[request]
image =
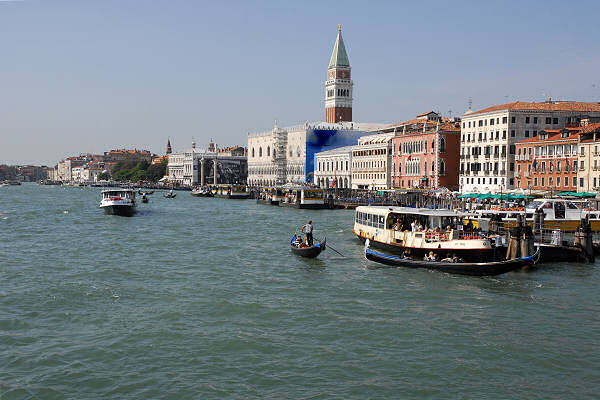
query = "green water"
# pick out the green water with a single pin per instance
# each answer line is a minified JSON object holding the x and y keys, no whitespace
{"x":199,"y":298}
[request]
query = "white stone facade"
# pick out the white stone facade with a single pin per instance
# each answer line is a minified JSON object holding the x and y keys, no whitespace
{"x":277,"y":157}
{"x":334,"y":167}
{"x":371,"y":162}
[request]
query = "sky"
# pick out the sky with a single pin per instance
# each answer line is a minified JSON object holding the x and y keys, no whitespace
{"x":82,"y":77}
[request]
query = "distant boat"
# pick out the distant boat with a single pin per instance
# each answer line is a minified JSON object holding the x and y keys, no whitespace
{"x":170,"y":195}
{"x":118,"y":202}
{"x":202,"y":192}
{"x":308,"y":251}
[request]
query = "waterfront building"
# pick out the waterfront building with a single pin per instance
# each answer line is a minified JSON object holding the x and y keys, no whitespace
{"x":64,"y":168}
{"x":203,"y":167}
{"x":489,"y":137}
{"x":425,"y":152}
{"x":333,"y":168}
{"x":548,"y":162}
{"x":338,"y":87}
{"x":371,"y":162}
{"x":588,"y":171}
{"x":287,"y":155}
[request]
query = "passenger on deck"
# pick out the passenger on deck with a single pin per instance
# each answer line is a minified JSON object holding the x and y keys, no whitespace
{"x":298,"y":241}
{"x":447,"y":259}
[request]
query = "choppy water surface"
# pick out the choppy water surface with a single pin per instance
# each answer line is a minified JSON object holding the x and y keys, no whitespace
{"x":201,"y":298}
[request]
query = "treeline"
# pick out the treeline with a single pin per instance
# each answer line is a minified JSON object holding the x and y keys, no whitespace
{"x":134,"y":171}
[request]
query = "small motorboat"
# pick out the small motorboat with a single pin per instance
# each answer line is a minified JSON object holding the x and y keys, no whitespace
{"x":461,"y":268}
{"x":202,"y":192}
{"x":307,"y":251}
{"x":170,"y":195}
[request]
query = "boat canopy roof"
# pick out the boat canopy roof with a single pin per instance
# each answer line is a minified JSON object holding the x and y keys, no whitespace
{"x":121,"y":190}
{"x":383,"y":210}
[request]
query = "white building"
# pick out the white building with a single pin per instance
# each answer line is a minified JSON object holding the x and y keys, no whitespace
{"x":488,"y":138}
{"x":287,"y":155}
{"x":202,"y":167}
{"x":371,"y":162}
{"x":333,"y":168}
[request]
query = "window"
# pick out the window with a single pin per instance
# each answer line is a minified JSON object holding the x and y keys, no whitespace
{"x":504,"y":120}
{"x":491,"y":121}
{"x":253,"y":152}
{"x":575,"y":181}
{"x":268,"y":151}
{"x":260,"y":151}
{"x":543,"y":181}
{"x":512,"y":149}
{"x":535,"y":181}
{"x":512,"y":166}
{"x":513,"y":120}
{"x":503,"y":134}
{"x":580,"y":182}
{"x":581,"y":165}
{"x":526,"y":120}
{"x":582,"y":151}
{"x":535,"y":120}
{"x":548,"y":120}
{"x":534,"y":133}
{"x":480,"y":123}
{"x":464,"y":125}
{"x":550,"y":181}
{"x":554,"y":121}
{"x":512,"y":133}
{"x":526,"y":133}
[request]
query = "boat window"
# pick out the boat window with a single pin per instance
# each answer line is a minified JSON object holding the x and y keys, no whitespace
{"x":381,"y":222}
{"x":529,"y":215}
{"x":535,"y":204}
{"x":418,"y":235}
{"x":593,"y":216}
{"x":571,"y":206}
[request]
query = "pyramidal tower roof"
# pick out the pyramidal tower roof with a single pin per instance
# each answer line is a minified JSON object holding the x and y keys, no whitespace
{"x":339,"y":57}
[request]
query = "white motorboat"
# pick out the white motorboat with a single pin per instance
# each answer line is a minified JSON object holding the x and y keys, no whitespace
{"x":118,"y":202}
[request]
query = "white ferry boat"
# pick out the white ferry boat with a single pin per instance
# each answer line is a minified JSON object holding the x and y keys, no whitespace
{"x":303,"y":197}
{"x":558,"y":214}
{"x":118,"y":202}
{"x":437,"y":231}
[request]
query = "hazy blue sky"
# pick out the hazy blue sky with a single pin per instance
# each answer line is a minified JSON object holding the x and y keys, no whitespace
{"x":85,"y":76}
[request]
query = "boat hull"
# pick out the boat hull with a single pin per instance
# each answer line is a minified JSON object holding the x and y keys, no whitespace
{"x":308,"y":252}
{"x":471,"y":255}
{"x":122,"y":210}
{"x":472,"y":269}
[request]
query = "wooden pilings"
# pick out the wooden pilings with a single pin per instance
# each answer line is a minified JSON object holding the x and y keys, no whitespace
{"x":583,"y":238}
{"x":521,"y":242}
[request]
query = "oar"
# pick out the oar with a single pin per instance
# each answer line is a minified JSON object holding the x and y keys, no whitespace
{"x":329,"y":247}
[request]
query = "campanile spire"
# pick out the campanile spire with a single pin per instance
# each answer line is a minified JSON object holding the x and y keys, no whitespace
{"x":338,"y":87}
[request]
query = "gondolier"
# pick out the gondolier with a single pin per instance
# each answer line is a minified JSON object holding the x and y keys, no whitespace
{"x":308,"y":229}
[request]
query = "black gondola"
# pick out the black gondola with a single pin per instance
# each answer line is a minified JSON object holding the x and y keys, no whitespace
{"x":308,"y":252}
{"x":170,"y":195}
{"x":475,"y":269}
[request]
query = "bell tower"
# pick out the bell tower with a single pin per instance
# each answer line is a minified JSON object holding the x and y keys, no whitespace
{"x":338,"y":87}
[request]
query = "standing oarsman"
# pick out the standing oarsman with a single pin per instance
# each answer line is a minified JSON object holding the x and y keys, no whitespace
{"x":308,"y":229}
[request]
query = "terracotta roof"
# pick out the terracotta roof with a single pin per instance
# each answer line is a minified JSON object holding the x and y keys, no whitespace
{"x":555,"y":135}
{"x":544,"y":106}
{"x":591,"y":128}
{"x":426,"y":113}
